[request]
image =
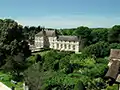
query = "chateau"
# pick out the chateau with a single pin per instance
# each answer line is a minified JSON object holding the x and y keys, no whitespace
{"x":50,"y":39}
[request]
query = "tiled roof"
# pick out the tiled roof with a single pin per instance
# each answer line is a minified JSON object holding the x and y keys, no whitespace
{"x":113,"y":70}
{"x":68,"y":38}
{"x":115,"y":53}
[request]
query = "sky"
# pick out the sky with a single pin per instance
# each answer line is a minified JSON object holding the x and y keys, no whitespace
{"x":62,"y":13}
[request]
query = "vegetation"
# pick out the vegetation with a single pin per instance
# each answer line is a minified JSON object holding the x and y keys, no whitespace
{"x":6,"y":79}
{"x":55,"y":70}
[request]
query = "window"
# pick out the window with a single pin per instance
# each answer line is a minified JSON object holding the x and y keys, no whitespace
{"x":53,"y":45}
{"x":73,"y":47}
{"x":65,"y":46}
{"x":61,"y":45}
{"x":69,"y":46}
{"x":57,"y":45}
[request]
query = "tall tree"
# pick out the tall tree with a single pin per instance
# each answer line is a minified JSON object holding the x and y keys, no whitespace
{"x":12,"y":42}
{"x":84,"y":35}
{"x":12,"y":38}
{"x":82,"y":31}
{"x":114,"y":34}
{"x":15,"y":65}
{"x":35,"y":77}
{"x":99,"y":34}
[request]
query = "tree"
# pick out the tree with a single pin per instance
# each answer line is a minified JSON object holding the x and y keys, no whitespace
{"x":114,"y":34}
{"x":15,"y":65}
{"x":12,"y":39}
{"x":35,"y":77}
{"x":29,"y":32}
{"x":13,"y":47}
{"x":84,"y":35}
{"x":82,"y":31}
{"x":100,"y":49}
{"x":67,"y":31}
{"x":38,"y":58}
{"x":99,"y":34}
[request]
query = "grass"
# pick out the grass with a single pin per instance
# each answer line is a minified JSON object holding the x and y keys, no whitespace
{"x":5,"y":78}
{"x":41,"y":53}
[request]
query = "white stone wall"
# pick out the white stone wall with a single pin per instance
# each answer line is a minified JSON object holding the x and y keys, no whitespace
{"x":52,"y":41}
{"x":67,"y":46}
{"x":39,"y":42}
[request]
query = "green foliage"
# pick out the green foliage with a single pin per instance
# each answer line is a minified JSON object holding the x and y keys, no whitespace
{"x":54,"y":57}
{"x":84,"y":35}
{"x":96,"y":71}
{"x":12,"y":38}
{"x":79,"y":86}
{"x":84,"y":32}
{"x":6,"y":78}
{"x":49,"y":59}
{"x":29,"y":32}
{"x":13,"y":47}
{"x":15,"y":65}
{"x":100,"y":49}
{"x":65,"y":82}
{"x":100,"y":34}
{"x":88,"y":62}
{"x":38,"y":58}
{"x":64,"y":63}
{"x":69,"y":68}
{"x":35,"y":77}
{"x":114,"y":46}
{"x":114,"y":87}
{"x":66,"y":31}
{"x":30,"y":60}
{"x":102,"y":60}
{"x":114,"y":34}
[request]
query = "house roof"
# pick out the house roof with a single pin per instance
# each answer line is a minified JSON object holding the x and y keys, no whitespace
{"x":113,"y":70}
{"x":118,"y":78}
{"x":115,"y":53}
{"x":52,"y":33}
{"x":49,"y":33}
{"x":68,"y":38}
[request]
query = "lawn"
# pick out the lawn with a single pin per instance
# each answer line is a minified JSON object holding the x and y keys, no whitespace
{"x":41,"y":53}
{"x":6,"y":79}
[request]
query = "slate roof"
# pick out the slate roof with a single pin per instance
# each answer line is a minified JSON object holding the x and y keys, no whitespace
{"x":49,"y":33}
{"x":52,"y":33}
{"x":68,"y":38}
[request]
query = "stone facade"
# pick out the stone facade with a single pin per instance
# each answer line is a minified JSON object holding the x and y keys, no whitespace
{"x":50,"y":39}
